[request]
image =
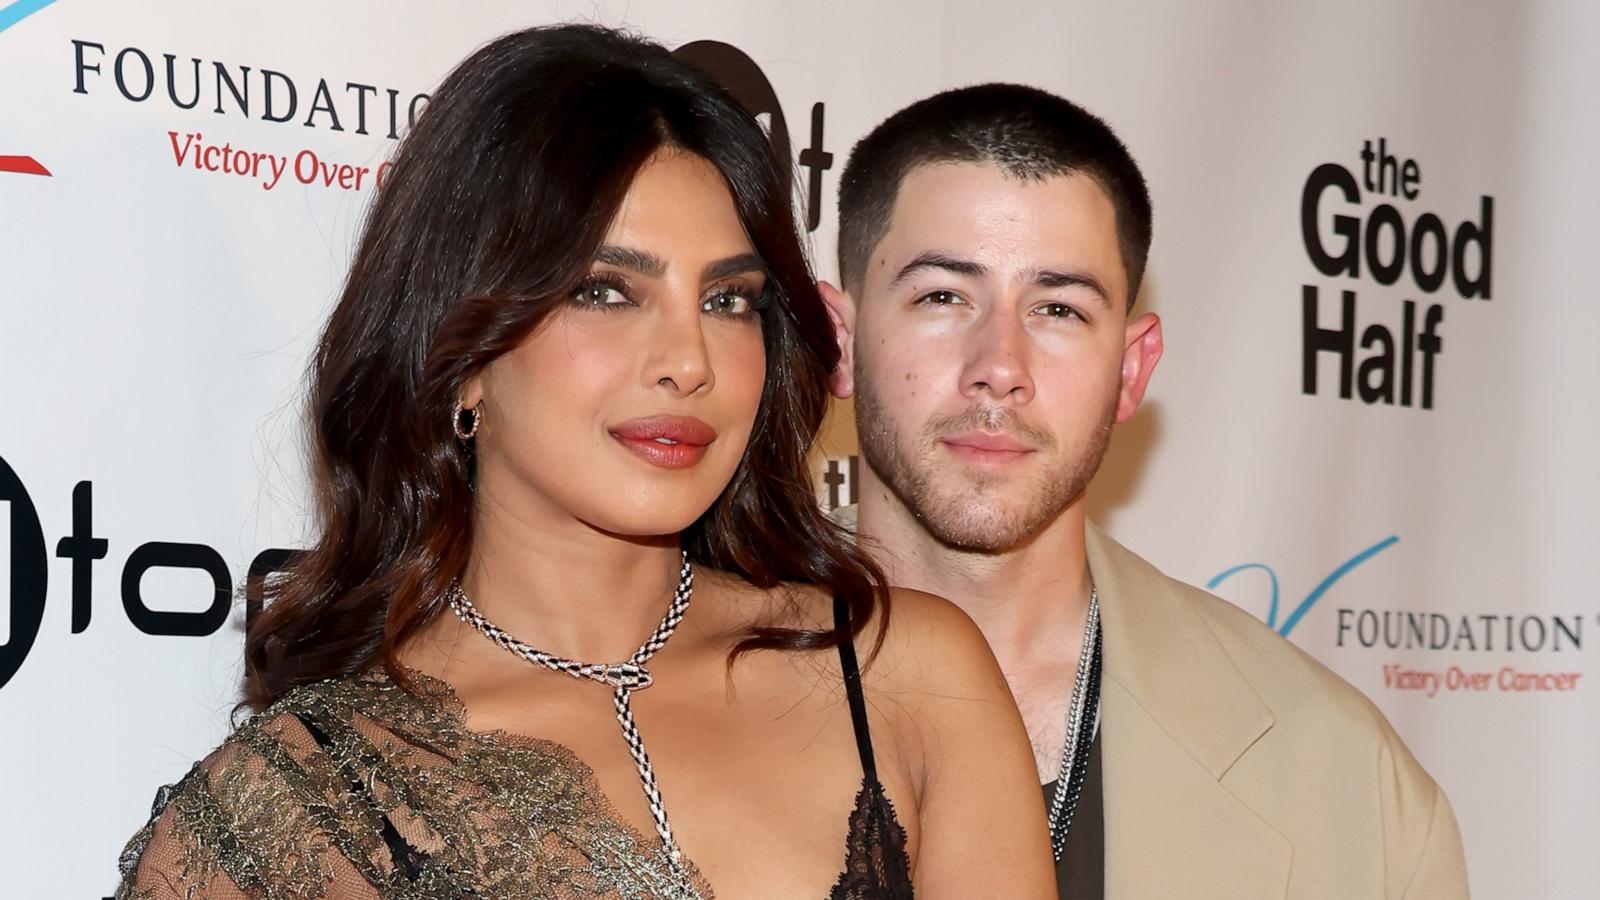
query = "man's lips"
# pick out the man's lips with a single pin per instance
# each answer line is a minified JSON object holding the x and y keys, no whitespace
{"x":980,"y":446}
{"x":671,"y":442}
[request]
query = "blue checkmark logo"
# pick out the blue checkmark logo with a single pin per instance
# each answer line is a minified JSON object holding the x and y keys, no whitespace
{"x":16,"y":12}
{"x":1317,"y":592}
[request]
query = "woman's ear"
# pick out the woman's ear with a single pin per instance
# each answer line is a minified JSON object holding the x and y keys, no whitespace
{"x":471,"y":391}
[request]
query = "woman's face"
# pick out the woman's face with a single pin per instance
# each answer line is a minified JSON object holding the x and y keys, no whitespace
{"x":630,"y":406}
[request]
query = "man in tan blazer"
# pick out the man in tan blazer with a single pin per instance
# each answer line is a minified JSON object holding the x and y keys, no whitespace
{"x":992,"y":240}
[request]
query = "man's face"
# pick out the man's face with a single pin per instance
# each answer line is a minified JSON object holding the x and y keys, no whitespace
{"x":990,"y":337}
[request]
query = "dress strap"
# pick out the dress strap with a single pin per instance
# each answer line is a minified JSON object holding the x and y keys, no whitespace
{"x":852,"y":689}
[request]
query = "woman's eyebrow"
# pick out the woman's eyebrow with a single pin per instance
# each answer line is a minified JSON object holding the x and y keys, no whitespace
{"x":640,"y":261}
{"x":652,"y":266}
{"x":742,"y":264}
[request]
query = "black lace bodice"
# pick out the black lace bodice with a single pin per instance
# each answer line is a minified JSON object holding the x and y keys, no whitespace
{"x":876,"y":865}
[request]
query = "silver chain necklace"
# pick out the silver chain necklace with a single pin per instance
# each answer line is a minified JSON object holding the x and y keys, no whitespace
{"x":1080,"y":731}
{"x":624,"y":678}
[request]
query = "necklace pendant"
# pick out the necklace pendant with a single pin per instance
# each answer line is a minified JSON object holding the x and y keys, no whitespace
{"x":627,"y":676}
{"x":624,"y":678}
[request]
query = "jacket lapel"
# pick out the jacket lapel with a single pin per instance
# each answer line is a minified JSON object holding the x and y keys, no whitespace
{"x":1175,"y":716}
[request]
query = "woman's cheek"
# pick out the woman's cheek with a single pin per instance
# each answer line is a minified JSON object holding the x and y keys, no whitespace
{"x":578,"y":356}
{"x":749,"y":375}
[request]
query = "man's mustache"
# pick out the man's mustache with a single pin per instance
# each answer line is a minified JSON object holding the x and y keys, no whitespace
{"x":995,"y":420}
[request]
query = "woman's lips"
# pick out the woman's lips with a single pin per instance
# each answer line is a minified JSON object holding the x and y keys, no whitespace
{"x":982,"y":447}
{"x":671,"y":442}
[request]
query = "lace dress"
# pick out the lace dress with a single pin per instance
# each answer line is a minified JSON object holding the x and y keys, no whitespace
{"x":357,"y":788}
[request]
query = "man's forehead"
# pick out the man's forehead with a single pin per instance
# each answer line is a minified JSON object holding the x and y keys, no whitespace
{"x":982,"y":211}
{"x":980,"y":187}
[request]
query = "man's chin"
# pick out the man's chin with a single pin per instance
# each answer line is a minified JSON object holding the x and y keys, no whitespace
{"x":982,"y":529}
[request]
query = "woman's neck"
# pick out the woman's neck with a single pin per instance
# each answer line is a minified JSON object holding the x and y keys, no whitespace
{"x":567,"y":587}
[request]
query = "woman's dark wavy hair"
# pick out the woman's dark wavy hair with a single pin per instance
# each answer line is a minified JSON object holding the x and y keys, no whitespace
{"x":488,"y":220}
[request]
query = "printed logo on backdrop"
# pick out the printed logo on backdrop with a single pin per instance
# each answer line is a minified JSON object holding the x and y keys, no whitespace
{"x":10,"y":15}
{"x":25,"y":568}
{"x":194,"y":86}
{"x":1465,"y":645}
{"x":23,"y":165}
{"x":1381,"y":339}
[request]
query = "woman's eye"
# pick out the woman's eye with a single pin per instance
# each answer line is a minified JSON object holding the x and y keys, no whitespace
{"x":941,"y":298}
{"x":600,"y":294}
{"x":727,"y":303}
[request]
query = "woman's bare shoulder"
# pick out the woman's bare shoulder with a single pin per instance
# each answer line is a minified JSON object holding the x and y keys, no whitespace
{"x":916,"y":634}
{"x":929,"y":644}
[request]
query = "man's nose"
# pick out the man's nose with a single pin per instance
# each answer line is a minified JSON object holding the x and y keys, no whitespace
{"x":997,"y":360}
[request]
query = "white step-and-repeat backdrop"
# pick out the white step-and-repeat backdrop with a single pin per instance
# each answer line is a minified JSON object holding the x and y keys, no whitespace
{"x":1375,"y":427}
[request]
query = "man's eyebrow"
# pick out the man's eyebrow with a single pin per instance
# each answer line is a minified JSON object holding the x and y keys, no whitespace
{"x":743,"y":264}
{"x":934,"y":259}
{"x":647,"y":264}
{"x":1056,"y":278}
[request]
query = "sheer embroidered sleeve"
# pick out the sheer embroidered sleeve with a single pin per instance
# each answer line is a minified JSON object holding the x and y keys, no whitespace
{"x":359,"y":790}
{"x":258,"y":818}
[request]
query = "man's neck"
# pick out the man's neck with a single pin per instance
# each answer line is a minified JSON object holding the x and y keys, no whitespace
{"x":1031,"y":602}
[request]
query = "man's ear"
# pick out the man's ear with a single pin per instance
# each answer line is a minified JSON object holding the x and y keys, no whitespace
{"x":1141,"y":350}
{"x":842,"y":310}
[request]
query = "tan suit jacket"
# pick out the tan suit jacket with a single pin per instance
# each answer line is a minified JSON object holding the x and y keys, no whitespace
{"x":1238,"y":767}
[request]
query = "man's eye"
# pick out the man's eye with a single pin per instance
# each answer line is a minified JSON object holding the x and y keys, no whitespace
{"x":1059,"y":311}
{"x":941,"y":298}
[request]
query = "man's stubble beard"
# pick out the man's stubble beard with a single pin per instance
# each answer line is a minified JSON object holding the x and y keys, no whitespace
{"x":963,"y":516}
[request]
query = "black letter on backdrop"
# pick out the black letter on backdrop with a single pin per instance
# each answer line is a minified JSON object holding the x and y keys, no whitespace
{"x":83,"y":548}
{"x":748,"y":84}
{"x":817,"y":160}
{"x":77,"y":50}
{"x":1348,"y":262}
{"x":1341,"y":342}
{"x":255,"y":582}
{"x":156,"y":555}
{"x":29,"y":572}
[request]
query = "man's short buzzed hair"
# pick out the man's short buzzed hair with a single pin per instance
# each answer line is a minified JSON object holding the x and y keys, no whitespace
{"x":1026,"y":132}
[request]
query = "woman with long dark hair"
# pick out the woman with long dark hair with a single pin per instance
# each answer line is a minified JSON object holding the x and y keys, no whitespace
{"x":572,"y":624}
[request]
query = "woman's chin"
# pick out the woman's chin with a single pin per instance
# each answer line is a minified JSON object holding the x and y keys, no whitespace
{"x":647,"y":525}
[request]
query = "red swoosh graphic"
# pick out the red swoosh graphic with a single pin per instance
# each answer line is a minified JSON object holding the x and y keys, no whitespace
{"x":26,"y":165}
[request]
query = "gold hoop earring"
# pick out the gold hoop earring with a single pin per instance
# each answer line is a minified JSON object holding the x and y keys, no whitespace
{"x":467,"y":433}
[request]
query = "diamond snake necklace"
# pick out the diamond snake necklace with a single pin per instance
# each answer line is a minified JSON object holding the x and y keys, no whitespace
{"x":1081,"y":722}
{"x":624,"y":678}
